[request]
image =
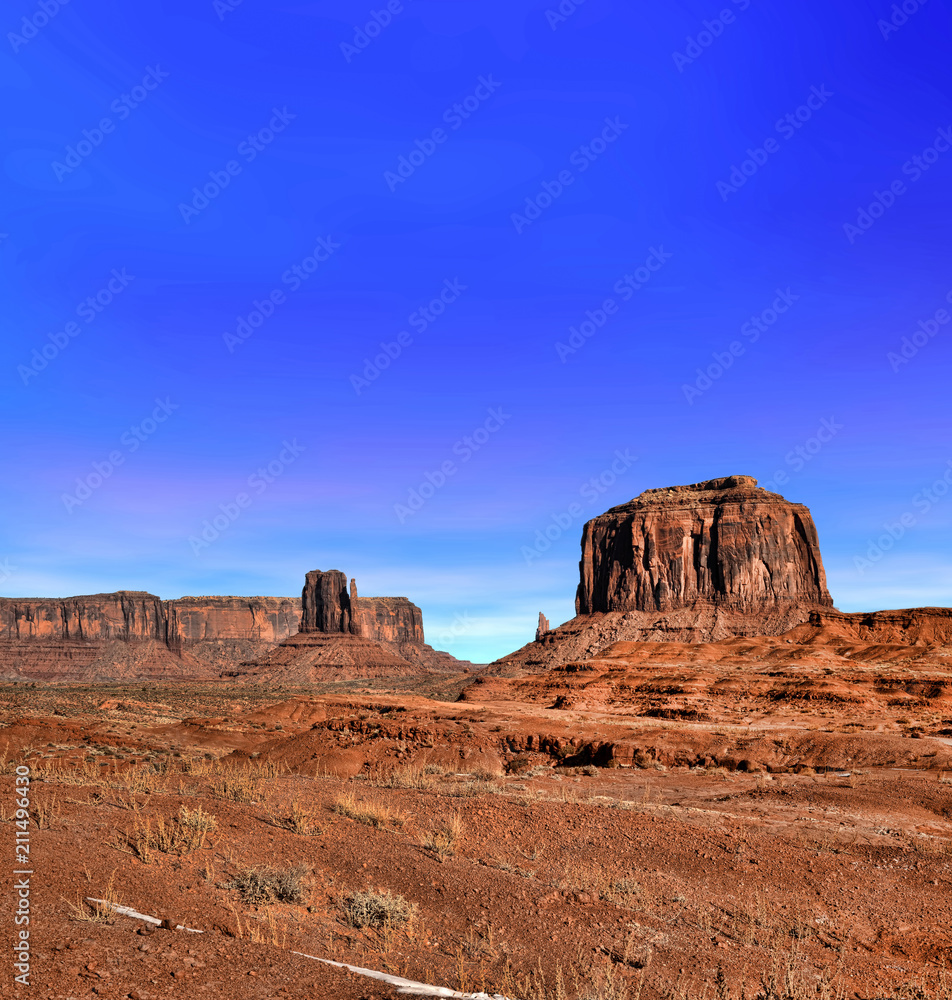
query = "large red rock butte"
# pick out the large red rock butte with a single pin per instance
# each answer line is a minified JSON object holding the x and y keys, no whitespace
{"x":695,"y":563}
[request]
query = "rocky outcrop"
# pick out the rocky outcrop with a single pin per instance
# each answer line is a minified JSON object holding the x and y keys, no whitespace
{"x":267,"y":620}
{"x":696,"y":563}
{"x":542,"y":627}
{"x":908,"y":627}
{"x":127,"y":614}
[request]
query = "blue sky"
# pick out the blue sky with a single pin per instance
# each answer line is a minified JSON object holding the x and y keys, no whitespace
{"x":413,"y":290}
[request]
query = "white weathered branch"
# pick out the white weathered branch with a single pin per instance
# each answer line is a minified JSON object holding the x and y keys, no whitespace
{"x":406,"y":985}
{"x":127,"y":911}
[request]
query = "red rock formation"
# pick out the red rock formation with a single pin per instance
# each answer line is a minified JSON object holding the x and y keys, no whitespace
{"x":133,"y":634}
{"x":694,"y":563}
{"x":325,"y":603}
{"x":910,"y":626}
{"x":724,"y":541}
{"x":127,"y":614}
{"x":355,"y":626}
{"x":391,"y":619}
{"x":258,"y":619}
{"x":542,"y":627}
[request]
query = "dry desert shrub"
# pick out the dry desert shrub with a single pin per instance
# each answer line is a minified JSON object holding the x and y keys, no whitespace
{"x":64,"y":773}
{"x":236,"y":787}
{"x":375,"y":814}
{"x":377,"y":909}
{"x":264,"y":884}
{"x":442,"y":840}
{"x":420,"y":778}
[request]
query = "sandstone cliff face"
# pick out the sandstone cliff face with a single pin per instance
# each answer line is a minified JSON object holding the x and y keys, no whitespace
{"x":390,"y":619}
{"x":723,"y":541}
{"x":696,"y":563}
{"x":128,"y":614}
{"x":137,"y":615}
{"x":257,"y":619}
{"x":133,"y":634}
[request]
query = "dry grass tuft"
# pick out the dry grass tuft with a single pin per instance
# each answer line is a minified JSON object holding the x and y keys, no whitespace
{"x":299,"y":819}
{"x":45,"y":810}
{"x":442,"y":840}
{"x":96,"y":913}
{"x":376,"y":814}
{"x":182,"y":834}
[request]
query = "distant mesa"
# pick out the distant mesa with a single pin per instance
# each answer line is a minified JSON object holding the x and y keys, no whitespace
{"x":133,"y":634}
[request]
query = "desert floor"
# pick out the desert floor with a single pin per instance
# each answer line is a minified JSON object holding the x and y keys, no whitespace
{"x":793,"y":848}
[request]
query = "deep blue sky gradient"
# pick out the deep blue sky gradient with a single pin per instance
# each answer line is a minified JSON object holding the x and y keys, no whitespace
{"x":470,"y":554}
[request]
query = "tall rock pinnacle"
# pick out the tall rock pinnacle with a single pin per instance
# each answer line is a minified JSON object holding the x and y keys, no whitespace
{"x":325,"y":604}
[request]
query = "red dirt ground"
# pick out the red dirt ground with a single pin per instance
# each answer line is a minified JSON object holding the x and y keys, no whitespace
{"x":629,"y":826}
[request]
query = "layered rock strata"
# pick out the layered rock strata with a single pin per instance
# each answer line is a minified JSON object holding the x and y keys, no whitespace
{"x":695,"y":563}
{"x":131,"y":634}
{"x":345,"y":635}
